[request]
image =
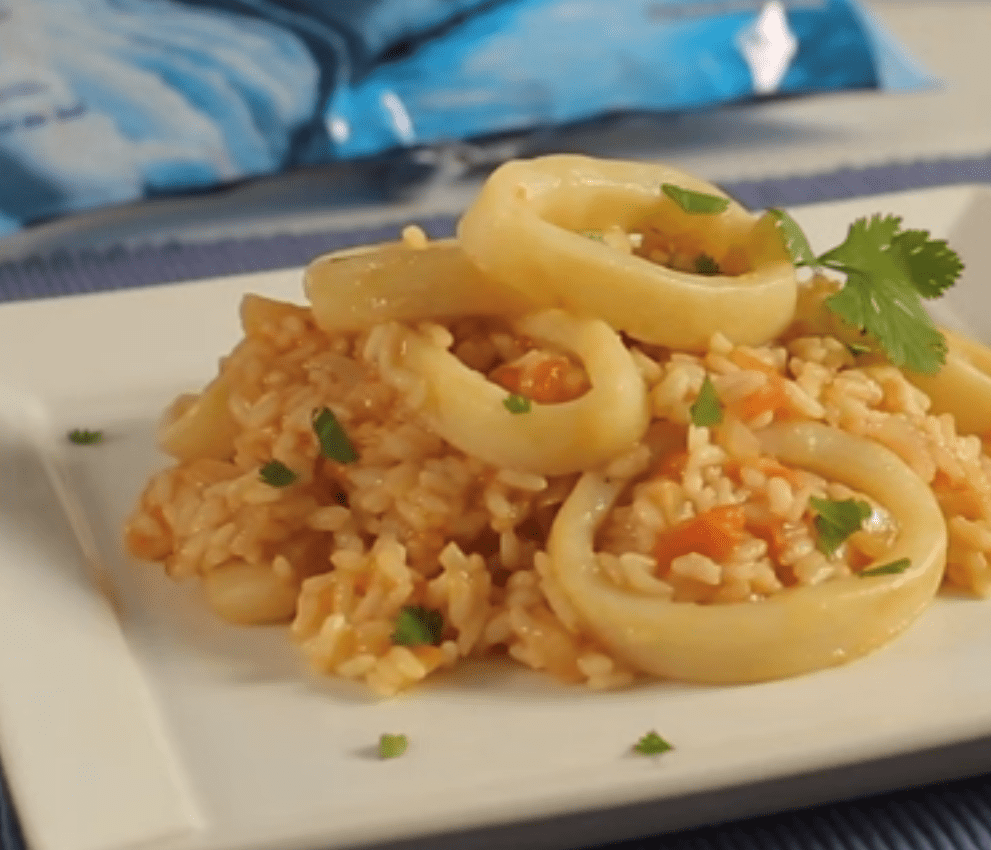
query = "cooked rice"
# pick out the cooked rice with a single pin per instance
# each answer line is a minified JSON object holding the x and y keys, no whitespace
{"x":415,"y":521}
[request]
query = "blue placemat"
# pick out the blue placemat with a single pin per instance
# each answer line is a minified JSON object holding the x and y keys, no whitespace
{"x":947,"y":816}
{"x":72,"y":272}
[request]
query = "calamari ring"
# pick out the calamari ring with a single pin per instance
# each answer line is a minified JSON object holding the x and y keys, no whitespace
{"x":794,"y":631}
{"x":468,"y":410}
{"x":962,"y":386}
{"x":356,"y":288}
{"x":525,"y":231}
{"x":199,"y":425}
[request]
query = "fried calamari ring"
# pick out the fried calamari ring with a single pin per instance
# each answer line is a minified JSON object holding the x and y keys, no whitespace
{"x":797,"y":630}
{"x":469,"y":411}
{"x":356,"y":288}
{"x":199,"y":425}
{"x":962,"y":386}
{"x":526,"y":228}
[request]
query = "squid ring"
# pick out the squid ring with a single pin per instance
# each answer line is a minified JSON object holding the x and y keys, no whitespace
{"x":797,"y":630}
{"x":525,"y":231}
{"x":356,"y":288}
{"x":958,"y":387}
{"x":199,"y":425}
{"x":469,"y":411}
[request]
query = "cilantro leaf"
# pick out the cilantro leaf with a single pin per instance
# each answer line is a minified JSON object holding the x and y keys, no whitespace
{"x":866,"y":239}
{"x":392,"y":746}
{"x":334,"y":441}
{"x":893,"y":568}
{"x":85,"y":437}
{"x":651,"y":744}
{"x":706,"y":409}
{"x":706,"y":265}
{"x":795,"y":240}
{"x":837,"y":520}
{"x":931,"y":264}
{"x":695,"y":202}
{"x":417,"y":625}
{"x":597,"y":235}
{"x":517,"y":403}
{"x":276,"y":474}
{"x":888,"y":272}
{"x":883,"y":305}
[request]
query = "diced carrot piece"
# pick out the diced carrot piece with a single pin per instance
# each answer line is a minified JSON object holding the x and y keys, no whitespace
{"x":510,"y":376}
{"x":771,"y":530}
{"x":672,"y":465}
{"x":550,"y":380}
{"x":771,"y":396}
{"x":714,"y":533}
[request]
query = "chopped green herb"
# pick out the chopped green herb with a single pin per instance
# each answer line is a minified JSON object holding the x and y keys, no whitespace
{"x":893,"y":568}
{"x":651,"y":744}
{"x":795,"y":242}
{"x":597,"y":235}
{"x":417,"y":625}
{"x":837,"y":520}
{"x":276,"y":474}
{"x":888,"y":273}
{"x":706,"y":409}
{"x":84,"y":437}
{"x":334,"y":442}
{"x":517,"y":403}
{"x":858,"y":348}
{"x":392,"y":746}
{"x":704,"y":264}
{"x":695,"y":202}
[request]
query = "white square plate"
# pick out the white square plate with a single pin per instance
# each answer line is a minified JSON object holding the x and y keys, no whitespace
{"x":129,"y":716}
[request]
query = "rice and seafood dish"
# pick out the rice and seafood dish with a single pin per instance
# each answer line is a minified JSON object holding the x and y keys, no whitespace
{"x":619,"y":427}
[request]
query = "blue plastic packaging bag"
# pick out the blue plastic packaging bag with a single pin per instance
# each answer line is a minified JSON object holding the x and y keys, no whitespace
{"x":105,"y":102}
{"x":548,"y":62}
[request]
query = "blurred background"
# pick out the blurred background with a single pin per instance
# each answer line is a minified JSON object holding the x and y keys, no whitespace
{"x":129,"y":124}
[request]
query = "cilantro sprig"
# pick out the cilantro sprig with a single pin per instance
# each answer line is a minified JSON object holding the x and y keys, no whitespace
{"x":392,"y":746}
{"x":334,"y":441}
{"x":651,"y":744}
{"x":836,"y":520}
{"x":517,"y":403}
{"x":889,"y":569}
{"x":889,"y":271}
{"x":698,"y":203}
{"x":85,"y":437}
{"x":276,"y":474}
{"x":706,"y":409}
{"x":705,"y":264}
{"x":416,"y":626}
